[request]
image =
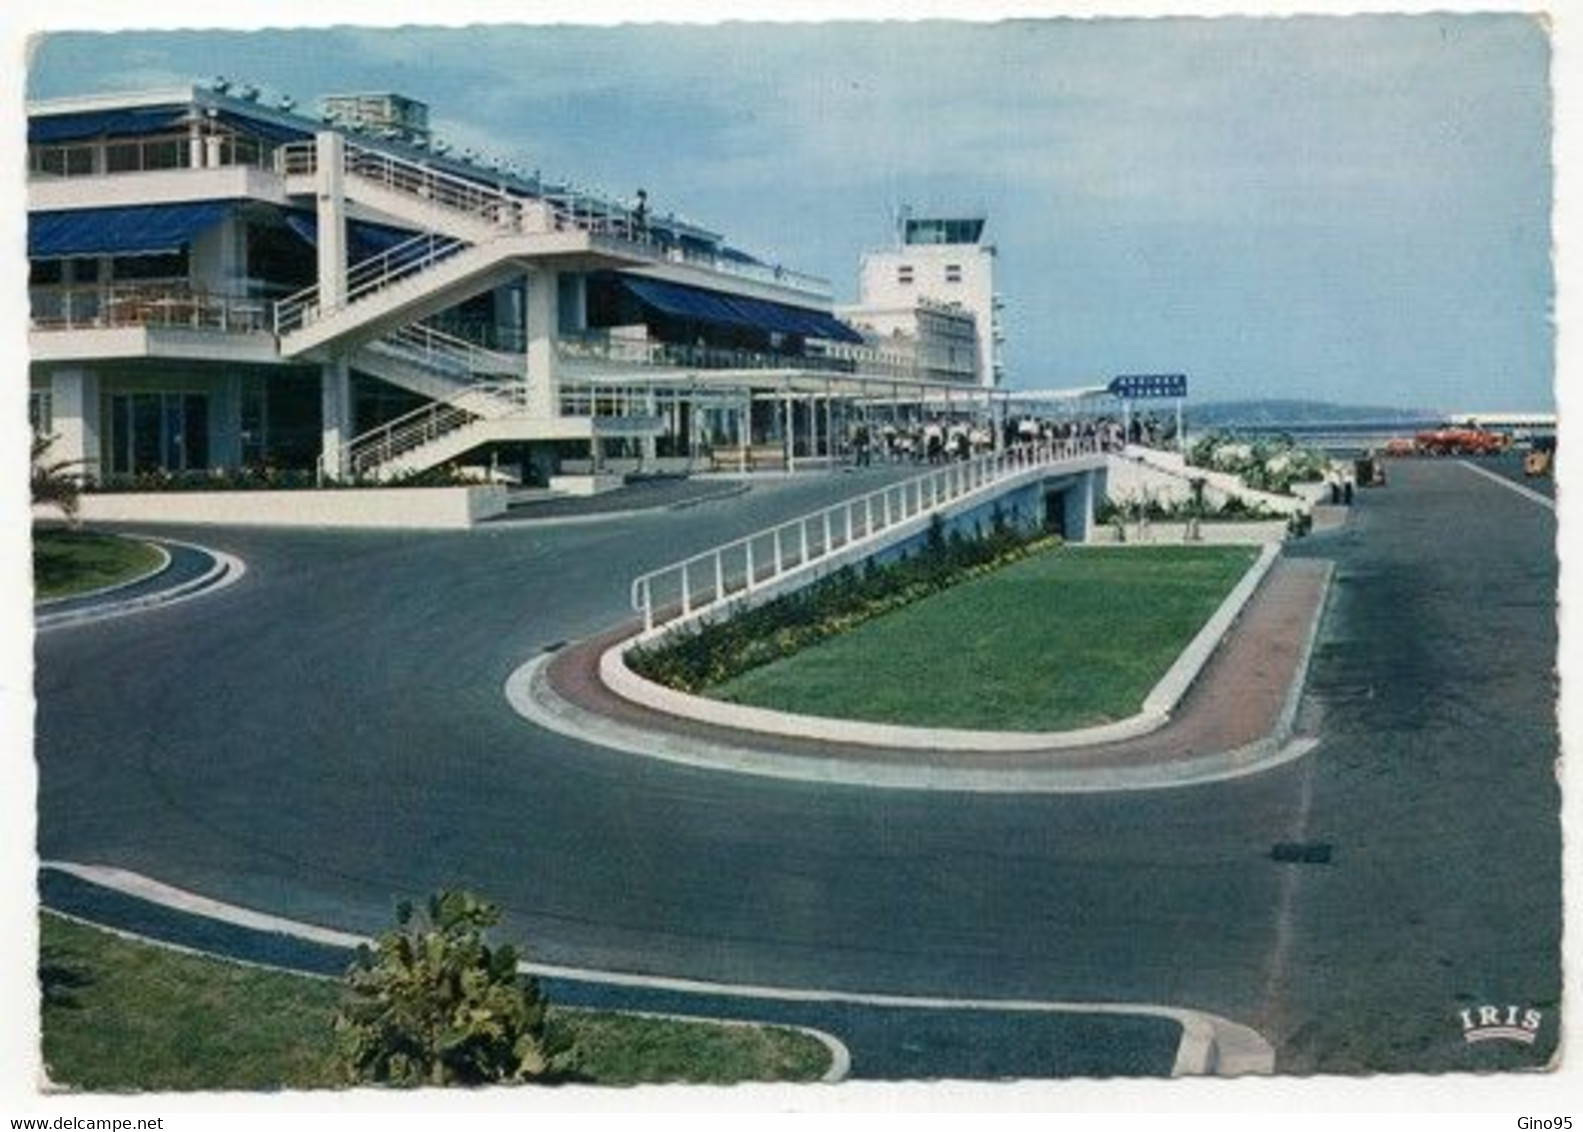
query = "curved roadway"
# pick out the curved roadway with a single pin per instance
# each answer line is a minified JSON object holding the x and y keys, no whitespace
{"x":331,"y":735}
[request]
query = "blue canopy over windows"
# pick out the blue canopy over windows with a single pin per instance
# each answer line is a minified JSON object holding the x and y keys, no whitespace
{"x":702,"y":305}
{"x":54,"y":128}
{"x":272,"y":132}
{"x":366,"y":239}
{"x":140,"y":229}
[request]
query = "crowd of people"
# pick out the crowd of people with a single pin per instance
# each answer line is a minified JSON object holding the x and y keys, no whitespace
{"x":939,"y":440}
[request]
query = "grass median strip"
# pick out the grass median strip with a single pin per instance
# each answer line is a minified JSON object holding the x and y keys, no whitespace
{"x":72,"y":562}
{"x":122,"y":1015}
{"x":1071,"y":637}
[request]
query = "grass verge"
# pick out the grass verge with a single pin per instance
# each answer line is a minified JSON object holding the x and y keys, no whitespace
{"x":1072,"y":637}
{"x":72,"y":562}
{"x":120,"y":1016}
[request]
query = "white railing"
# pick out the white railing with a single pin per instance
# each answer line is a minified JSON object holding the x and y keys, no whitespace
{"x":618,"y":350}
{"x":112,"y":305}
{"x":447,"y":355}
{"x":410,"y":178}
{"x":367,"y":277}
{"x":604,"y":399}
{"x":684,"y":591}
{"x":564,"y":210}
{"x":379,"y":446}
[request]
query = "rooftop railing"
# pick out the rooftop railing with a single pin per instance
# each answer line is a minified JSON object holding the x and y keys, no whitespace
{"x":143,"y":155}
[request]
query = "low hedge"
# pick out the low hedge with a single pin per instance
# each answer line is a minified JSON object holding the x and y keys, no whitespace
{"x":717,"y":651}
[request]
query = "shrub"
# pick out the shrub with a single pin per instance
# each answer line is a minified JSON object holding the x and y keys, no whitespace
{"x":55,"y":482}
{"x":434,"y":1004}
{"x":717,"y":651}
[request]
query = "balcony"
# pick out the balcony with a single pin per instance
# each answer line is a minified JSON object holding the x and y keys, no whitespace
{"x":145,"y":155}
{"x":626,"y":353}
{"x":143,"y":305}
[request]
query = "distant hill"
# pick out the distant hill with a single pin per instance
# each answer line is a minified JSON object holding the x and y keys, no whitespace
{"x":1220,"y":414}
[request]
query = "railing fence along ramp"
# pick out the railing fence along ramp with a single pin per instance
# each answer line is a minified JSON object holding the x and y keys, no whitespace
{"x":686,"y":591}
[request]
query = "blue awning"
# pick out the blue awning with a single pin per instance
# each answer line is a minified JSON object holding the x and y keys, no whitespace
{"x":47,"y":129}
{"x":702,"y":305}
{"x":141,"y":229}
{"x":367,"y":238}
{"x":273,"y":132}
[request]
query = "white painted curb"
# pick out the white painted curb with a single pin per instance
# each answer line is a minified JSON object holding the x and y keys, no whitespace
{"x":1210,"y":1044}
{"x":44,"y":604}
{"x":531,"y":696}
{"x":225,"y":571}
{"x":1156,"y":711}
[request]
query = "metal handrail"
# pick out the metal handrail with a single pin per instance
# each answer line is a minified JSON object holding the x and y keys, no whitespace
{"x":113,"y":305}
{"x":369,"y":276}
{"x":866,"y":361}
{"x":509,"y":211}
{"x":423,"y":425}
{"x":695,"y":585}
{"x":446,"y":353}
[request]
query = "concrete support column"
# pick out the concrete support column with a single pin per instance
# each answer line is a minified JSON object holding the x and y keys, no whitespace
{"x":790,"y":434}
{"x":572,"y":293}
{"x":506,"y":312}
{"x":540,"y":331}
{"x":1078,"y":519}
{"x":74,"y":405}
{"x":648,"y":445}
{"x":335,"y":410}
{"x":331,"y":196}
{"x":225,"y":423}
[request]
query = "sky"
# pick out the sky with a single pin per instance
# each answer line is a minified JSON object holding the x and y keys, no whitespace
{"x":1354,"y":209}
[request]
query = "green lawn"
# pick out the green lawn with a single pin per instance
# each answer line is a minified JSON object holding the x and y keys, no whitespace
{"x":119,"y":1015}
{"x":1072,"y":637}
{"x":72,"y":562}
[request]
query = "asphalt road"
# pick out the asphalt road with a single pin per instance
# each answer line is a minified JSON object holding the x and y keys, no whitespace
{"x":330,"y":735}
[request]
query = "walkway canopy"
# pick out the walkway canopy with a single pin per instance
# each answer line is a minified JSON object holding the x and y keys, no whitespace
{"x":139,"y":229}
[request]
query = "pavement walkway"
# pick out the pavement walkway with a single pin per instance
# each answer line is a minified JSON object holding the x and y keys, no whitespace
{"x":651,"y":494}
{"x":1237,"y":717}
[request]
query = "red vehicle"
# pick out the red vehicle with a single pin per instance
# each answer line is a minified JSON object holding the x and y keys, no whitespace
{"x":1461,"y":442}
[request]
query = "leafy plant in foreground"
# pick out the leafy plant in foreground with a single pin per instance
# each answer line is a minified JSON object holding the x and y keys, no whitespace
{"x":432,"y":1003}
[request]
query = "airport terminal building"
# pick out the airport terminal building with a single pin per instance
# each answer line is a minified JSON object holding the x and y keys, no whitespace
{"x":223,"y":286}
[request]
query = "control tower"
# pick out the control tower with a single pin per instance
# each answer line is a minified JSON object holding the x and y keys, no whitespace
{"x":943,"y":259}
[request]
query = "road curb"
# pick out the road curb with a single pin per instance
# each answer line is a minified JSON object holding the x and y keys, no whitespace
{"x":1157,"y":708}
{"x":224,"y":570}
{"x":45,"y":604}
{"x":1210,"y":1045}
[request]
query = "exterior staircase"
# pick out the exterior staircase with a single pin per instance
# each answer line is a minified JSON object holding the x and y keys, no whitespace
{"x":473,"y":238}
{"x":436,"y":365}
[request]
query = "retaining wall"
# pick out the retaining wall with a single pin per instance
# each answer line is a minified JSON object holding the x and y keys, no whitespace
{"x":447,"y":508}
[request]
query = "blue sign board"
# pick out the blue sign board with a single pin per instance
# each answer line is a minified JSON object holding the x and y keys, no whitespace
{"x":1137,"y":386}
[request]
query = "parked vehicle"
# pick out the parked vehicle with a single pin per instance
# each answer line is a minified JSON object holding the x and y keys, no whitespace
{"x":1461,"y":442}
{"x":1540,"y":458}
